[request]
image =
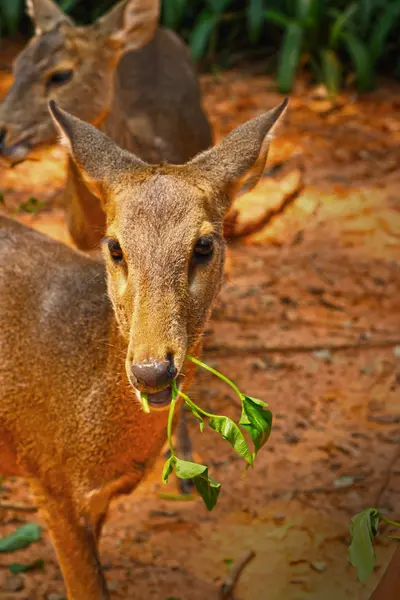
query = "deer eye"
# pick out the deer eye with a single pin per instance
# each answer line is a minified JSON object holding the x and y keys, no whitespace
{"x":60,"y":77}
{"x":115,"y":251}
{"x":203,"y":249}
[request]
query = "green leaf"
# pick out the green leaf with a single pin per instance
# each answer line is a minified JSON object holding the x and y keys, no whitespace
{"x":363,"y":529}
{"x":196,"y":413}
{"x":207,"y":487}
{"x":173,"y":12}
{"x":303,"y":9}
{"x":255,"y":19}
{"x":218,"y":6}
{"x":340,"y":23}
{"x":256,"y":419}
{"x":331,"y":71}
{"x":382,"y":29}
{"x":185,"y":469}
{"x":12,"y":11}
{"x":361,"y":61}
{"x":22,"y":537}
{"x":289,"y":57}
{"x":32,"y":205}
{"x":22,"y":568}
{"x":168,"y":468}
{"x":231,"y":432}
{"x":205,"y":25}
{"x":278,"y":18}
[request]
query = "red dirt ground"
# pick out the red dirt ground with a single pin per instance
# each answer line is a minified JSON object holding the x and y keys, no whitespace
{"x":308,"y":320}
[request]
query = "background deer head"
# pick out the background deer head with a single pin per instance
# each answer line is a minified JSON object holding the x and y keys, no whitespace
{"x":73,"y":65}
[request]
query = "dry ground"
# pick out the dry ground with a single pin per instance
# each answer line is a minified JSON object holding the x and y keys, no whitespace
{"x":308,"y":320}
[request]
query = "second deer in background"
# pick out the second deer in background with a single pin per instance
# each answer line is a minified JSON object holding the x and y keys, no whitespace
{"x":124,"y":74}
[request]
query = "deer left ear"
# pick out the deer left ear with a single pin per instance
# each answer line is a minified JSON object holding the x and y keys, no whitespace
{"x":236,"y":164}
{"x":100,"y":161}
{"x":131,"y":23}
{"x":46,"y":15}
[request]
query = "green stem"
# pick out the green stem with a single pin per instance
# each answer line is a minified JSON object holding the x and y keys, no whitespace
{"x":190,"y":403}
{"x":145,"y":403}
{"x":217,"y":373}
{"x":175,"y":392}
{"x":389,"y":522}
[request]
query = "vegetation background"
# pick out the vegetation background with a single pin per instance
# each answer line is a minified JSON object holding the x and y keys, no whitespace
{"x":341,"y":43}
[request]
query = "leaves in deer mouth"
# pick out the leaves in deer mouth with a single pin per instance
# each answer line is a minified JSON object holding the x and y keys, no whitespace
{"x":231,"y":432}
{"x":207,"y":487}
{"x":256,"y":419}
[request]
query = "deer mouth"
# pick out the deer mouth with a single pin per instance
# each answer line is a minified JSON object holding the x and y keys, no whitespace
{"x":17,"y":152}
{"x":160,"y":399}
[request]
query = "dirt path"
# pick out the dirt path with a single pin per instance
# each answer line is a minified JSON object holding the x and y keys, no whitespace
{"x":308,"y":320}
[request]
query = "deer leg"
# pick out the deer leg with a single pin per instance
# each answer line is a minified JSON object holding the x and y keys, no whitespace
{"x":75,"y":544}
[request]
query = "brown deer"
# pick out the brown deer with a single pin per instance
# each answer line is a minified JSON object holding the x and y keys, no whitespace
{"x":74,"y":359}
{"x":130,"y":78}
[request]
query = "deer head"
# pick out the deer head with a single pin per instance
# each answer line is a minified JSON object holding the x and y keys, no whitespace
{"x":164,"y":245}
{"x":73,"y":65}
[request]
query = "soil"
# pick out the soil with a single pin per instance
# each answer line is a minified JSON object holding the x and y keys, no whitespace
{"x":309,"y":321}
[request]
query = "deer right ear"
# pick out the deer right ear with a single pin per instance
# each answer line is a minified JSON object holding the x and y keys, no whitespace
{"x":46,"y":15}
{"x":131,"y":23}
{"x":237,"y":163}
{"x":100,"y":161}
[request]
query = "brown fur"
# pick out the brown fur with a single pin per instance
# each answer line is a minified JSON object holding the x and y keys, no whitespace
{"x":69,"y":419}
{"x":134,"y":81}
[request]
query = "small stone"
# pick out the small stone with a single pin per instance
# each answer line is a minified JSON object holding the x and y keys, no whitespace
{"x":396,"y":351}
{"x":279,"y":518}
{"x":291,"y":438}
{"x":319,"y":566}
{"x":323,"y":354}
{"x":55,"y":596}
{"x":259,"y":365}
{"x":366,"y":371}
{"x":14,"y":583}
{"x":113,"y":585}
{"x":344,"y":481}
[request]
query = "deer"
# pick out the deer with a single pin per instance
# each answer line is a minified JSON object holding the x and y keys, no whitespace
{"x":132,"y":79}
{"x":82,"y":338}
{"x":129,"y":77}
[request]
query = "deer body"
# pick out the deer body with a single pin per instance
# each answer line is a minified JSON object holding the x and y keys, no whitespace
{"x":73,"y":405}
{"x":77,"y":352}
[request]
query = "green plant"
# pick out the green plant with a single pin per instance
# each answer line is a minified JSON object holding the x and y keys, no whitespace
{"x":363,"y":529}
{"x":323,"y":34}
{"x":255,"y":419}
{"x":20,"y":538}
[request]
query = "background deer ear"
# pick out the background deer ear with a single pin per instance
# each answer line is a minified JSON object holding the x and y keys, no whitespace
{"x":131,"y":23}
{"x":46,"y":15}
{"x":100,"y":161}
{"x":236,"y":164}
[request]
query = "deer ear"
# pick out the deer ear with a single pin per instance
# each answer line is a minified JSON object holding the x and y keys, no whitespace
{"x":236,"y":164}
{"x":46,"y":15}
{"x":131,"y":23}
{"x":101,"y":162}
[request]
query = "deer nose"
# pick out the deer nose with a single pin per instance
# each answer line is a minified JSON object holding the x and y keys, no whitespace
{"x":154,"y":374}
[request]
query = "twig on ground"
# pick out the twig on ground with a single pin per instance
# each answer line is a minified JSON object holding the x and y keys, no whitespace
{"x":224,"y":349}
{"x":19,"y":507}
{"x":230,"y":581}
